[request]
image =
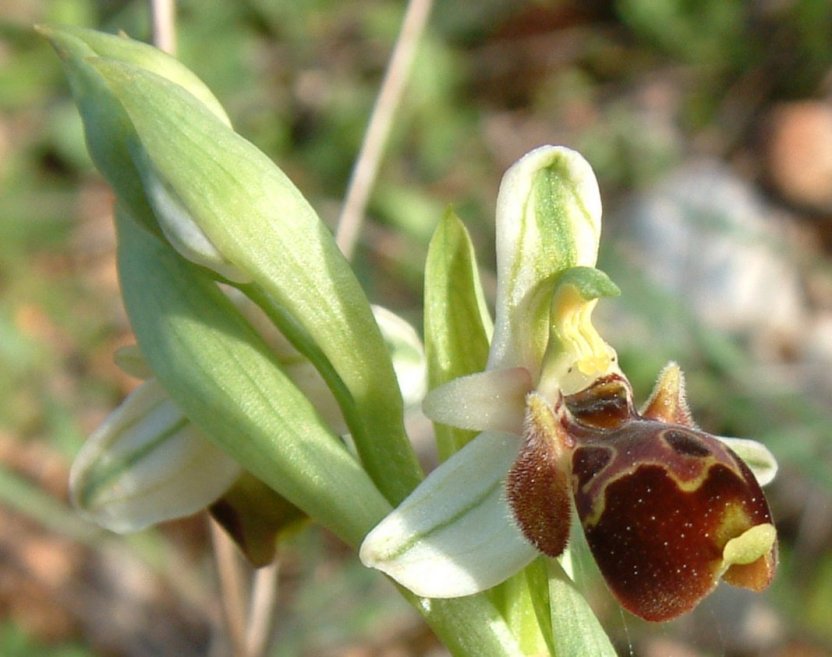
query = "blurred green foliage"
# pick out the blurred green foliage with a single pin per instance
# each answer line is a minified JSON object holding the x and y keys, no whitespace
{"x":15,"y":643}
{"x":781,"y":47}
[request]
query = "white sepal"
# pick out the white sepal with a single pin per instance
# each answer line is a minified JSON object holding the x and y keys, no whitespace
{"x":147,"y":463}
{"x":542,"y":230}
{"x":454,"y":535}
{"x":756,"y":456}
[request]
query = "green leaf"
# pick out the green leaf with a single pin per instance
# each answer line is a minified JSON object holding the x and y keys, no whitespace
{"x":223,"y":376}
{"x":457,"y":324}
{"x":516,"y":601}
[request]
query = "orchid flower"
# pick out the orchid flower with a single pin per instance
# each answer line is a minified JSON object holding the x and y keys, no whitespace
{"x":667,"y":508}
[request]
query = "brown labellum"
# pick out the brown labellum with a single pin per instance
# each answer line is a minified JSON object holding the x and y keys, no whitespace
{"x":658,"y":513}
{"x":659,"y":500}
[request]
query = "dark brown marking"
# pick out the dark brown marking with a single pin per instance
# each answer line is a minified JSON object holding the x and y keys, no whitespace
{"x":685,"y":443}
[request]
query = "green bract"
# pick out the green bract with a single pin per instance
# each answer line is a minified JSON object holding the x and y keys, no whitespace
{"x":180,"y":169}
{"x":457,"y":324}
{"x":262,"y":225}
{"x":225,"y":378}
{"x":108,"y":130}
{"x":148,"y":463}
{"x":73,"y":43}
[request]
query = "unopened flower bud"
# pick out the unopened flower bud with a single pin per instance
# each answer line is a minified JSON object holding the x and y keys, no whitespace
{"x":147,"y":463}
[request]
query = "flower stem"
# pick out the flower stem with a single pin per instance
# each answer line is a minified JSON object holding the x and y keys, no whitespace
{"x":232,"y":589}
{"x":261,"y":609}
{"x":163,"y":21}
{"x":381,"y":122}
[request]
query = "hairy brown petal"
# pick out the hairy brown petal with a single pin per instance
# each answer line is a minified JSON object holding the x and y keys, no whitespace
{"x":537,"y":486}
{"x":667,"y":403}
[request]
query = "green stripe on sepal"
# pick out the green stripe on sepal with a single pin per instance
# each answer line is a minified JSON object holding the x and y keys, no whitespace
{"x":548,"y":219}
{"x":260,"y":223}
{"x":452,"y":536}
{"x":147,"y":463}
{"x":222,"y":375}
{"x":457,"y":324}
